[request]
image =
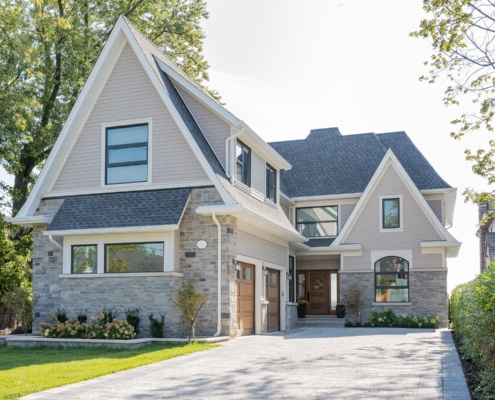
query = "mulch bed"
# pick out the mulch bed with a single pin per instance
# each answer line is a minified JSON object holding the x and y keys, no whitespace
{"x":471,"y":370}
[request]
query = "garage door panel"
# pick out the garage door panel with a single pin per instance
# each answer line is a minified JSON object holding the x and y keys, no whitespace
{"x":273,"y":297}
{"x":245,"y":300}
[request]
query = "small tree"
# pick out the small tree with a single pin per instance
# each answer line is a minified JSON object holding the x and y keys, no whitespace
{"x":190,"y":302}
{"x":22,"y":302}
{"x":353,"y":300}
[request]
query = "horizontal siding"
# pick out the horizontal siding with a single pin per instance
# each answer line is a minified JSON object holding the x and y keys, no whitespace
{"x":215,"y":129}
{"x":286,"y":210}
{"x":416,"y":228}
{"x":259,"y":248}
{"x":436,"y":206}
{"x":345,"y":213}
{"x":258,"y":175}
{"x":129,"y":94}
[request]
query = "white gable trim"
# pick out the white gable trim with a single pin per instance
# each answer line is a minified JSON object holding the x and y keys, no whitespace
{"x":390,"y":160}
{"x":90,"y":93}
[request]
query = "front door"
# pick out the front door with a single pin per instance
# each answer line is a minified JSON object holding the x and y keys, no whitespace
{"x":245,"y":300}
{"x":273,"y":297}
{"x":318,"y":292}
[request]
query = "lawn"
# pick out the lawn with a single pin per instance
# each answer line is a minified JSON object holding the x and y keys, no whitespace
{"x":24,"y":371}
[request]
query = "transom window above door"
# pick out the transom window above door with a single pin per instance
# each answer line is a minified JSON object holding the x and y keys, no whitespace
{"x":317,"y":221}
{"x":126,"y":154}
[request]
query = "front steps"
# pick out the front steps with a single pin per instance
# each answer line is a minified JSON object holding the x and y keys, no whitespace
{"x":321,"y":321}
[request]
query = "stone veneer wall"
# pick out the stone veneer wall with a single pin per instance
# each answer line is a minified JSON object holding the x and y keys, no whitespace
{"x":291,"y":316}
{"x":427,"y":290}
{"x":152,"y":294}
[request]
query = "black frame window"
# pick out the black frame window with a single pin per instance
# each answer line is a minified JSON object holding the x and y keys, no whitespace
{"x":126,"y":154}
{"x":271,"y":183}
{"x":84,"y":259}
{"x":317,"y":221}
{"x":134,"y":257}
{"x":392,"y":280}
{"x":292,"y":276}
{"x":243,"y":163}
{"x":391,"y":213}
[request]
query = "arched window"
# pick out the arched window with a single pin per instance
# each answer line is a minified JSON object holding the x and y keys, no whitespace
{"x":392,"y":280}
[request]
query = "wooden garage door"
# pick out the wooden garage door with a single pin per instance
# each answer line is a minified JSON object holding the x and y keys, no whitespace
{"x":273,"y":296}
{"x":245,"y":300}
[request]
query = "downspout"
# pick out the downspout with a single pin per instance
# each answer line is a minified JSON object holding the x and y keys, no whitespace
{"x":219,"y":275}
{"x":50,"y":237}
{"x":227,"y":158}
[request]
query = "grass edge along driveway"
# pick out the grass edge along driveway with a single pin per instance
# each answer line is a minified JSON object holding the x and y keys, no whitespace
{"x":25,"y":371}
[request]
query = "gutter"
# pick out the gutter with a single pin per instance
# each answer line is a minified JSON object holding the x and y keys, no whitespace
{"x":219,"y":275}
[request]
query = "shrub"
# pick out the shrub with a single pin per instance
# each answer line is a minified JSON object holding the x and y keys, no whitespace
{"x":388,"y":319}
{"x":22,"y":302}
{"x":98,"y":328}
{"x":157,"y":327}
{"x":82,"y":316}
{"x":61,"y":315}
{"x":132,"y":316}
{"x":472,"y":308}
{"x":110,"y":313}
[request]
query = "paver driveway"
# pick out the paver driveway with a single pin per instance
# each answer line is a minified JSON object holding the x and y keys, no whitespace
{"x":305,"y":363}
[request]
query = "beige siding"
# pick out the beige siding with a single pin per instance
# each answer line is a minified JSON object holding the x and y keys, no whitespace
{"x":326,"y":263}
{"x":215,"y":129}
{"x":286,"y":210}
{"x":258,"y":175}
{"x":129,"y":94}
{"x":416,"y":228}
{"x":345,"y":213}
{"x":259,"y":248}
{"x":436,"y":206}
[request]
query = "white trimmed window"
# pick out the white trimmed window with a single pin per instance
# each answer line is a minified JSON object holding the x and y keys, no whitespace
{"x":391,"y":215}
{"x":243,"y":163}
{"x":122,"y":254}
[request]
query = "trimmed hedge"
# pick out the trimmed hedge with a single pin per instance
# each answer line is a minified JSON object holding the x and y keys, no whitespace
{"x":472,"y":308}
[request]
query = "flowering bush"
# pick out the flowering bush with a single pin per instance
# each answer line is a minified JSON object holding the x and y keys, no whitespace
{"x":388,"y":318}
{"x":98,"y":328}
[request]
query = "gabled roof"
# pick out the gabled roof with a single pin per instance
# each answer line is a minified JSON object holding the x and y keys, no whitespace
{"x":447,"y":241}
{"x":349,"y":162}
{"x":121,"y":210}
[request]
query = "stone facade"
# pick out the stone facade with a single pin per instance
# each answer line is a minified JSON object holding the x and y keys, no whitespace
{"x":427,"y":289}
{"x":291,"y":316}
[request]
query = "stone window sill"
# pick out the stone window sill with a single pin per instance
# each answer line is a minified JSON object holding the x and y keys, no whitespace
{"x":123,"y":275}
{"x":391,"y":304}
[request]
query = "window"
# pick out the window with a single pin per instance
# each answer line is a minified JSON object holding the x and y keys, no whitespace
{"x":392,"y":280}
{"x":271,"y":183}
{"x":317,"y":221}
{"x":243,"y":163}
{"x":126,"y":154}
{"x":134,"y":257}
{"x":84,"y":259}
{"x":292,"y":296}
{"x":390,"y":213}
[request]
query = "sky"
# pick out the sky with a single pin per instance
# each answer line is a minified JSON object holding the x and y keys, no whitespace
{"x":285,"y":67}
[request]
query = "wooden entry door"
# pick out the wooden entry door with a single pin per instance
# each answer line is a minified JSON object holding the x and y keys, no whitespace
{"x":318,"y":289}
{"x":273,"y":297}
{"x":245,"y":300}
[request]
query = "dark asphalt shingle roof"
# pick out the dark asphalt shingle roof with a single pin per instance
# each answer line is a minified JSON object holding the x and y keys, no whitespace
{"x":118,"y":210}
{"x":324,"y":242}
{"x":328,"y":163}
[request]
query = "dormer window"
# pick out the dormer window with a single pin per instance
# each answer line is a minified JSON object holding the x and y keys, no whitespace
{"x":271,"y":183}
{"x":317,"y":221}
{"x":126,"y":154}
{"x":243,"y":163}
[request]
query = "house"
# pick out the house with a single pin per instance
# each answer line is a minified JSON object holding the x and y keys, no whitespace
{"x":486,"y":235}
{"x":152,"y":185}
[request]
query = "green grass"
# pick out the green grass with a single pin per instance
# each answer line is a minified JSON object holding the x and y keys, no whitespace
{"x":24,"y":371}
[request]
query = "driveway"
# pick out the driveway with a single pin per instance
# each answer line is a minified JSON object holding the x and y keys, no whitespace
{"x":305,"y":363}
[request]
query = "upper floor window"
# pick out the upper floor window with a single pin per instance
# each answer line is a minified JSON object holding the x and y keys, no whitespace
{"x":390,"y":213}
{"x":126,"y":158}
{"x":243,"y":163}
{"x":317,"y":221}
{"x":392,"y":280}
{"x":271,"y":183}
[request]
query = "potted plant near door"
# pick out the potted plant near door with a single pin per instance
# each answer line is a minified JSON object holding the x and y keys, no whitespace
{"x":301,"y":308}
{"x":340,"y":310}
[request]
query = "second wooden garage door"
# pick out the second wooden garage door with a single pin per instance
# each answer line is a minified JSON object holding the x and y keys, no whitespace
{"x":245,"y":300}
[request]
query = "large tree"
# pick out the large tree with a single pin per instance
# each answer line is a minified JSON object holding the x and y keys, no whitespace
{"x":47,"y":50}
{"x":462,"y":33}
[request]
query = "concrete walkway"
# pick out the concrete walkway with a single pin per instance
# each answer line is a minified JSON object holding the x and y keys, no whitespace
{"x":305,"y":363}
